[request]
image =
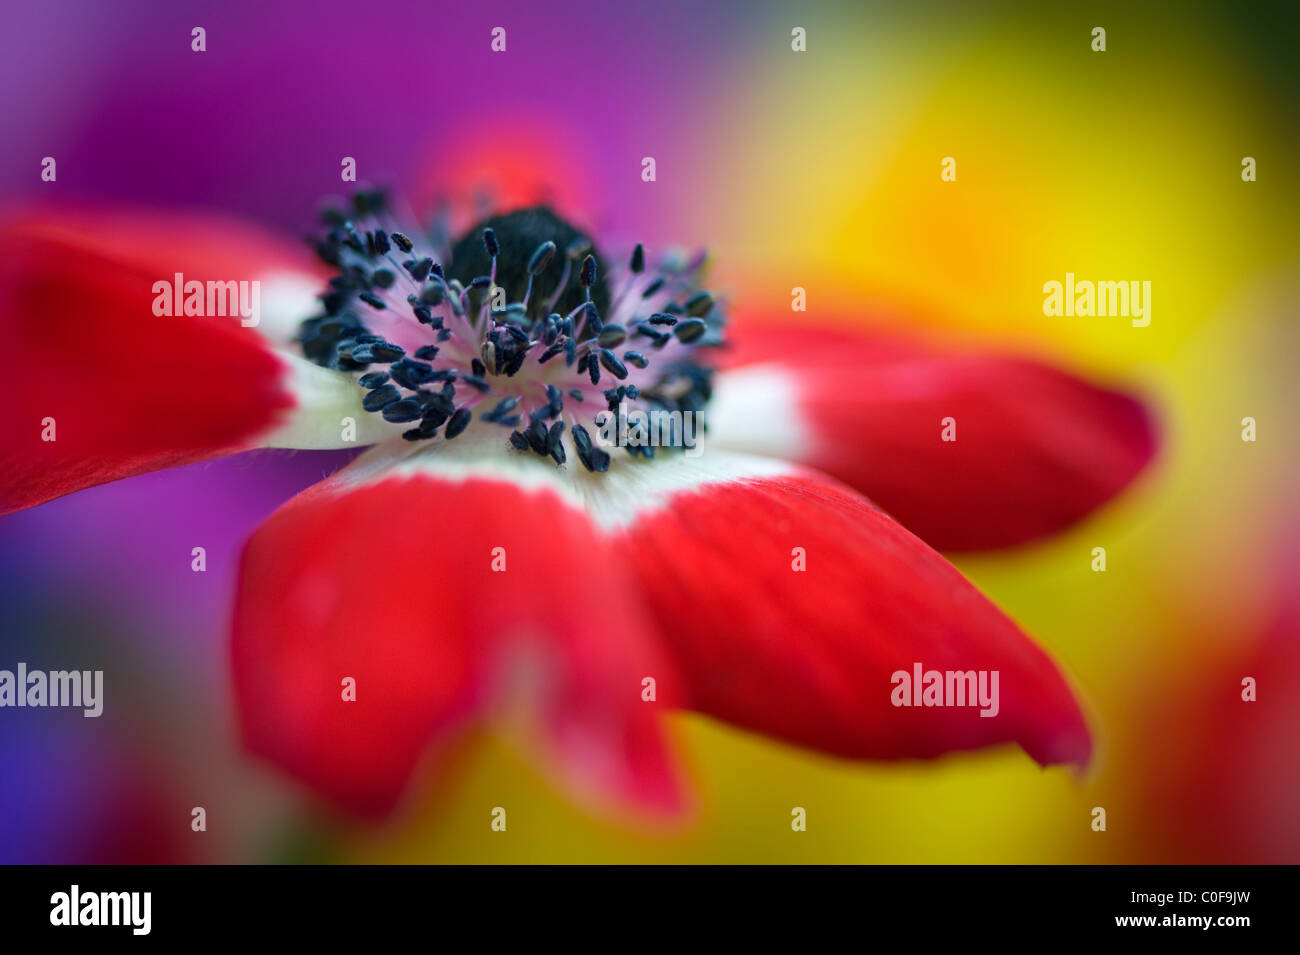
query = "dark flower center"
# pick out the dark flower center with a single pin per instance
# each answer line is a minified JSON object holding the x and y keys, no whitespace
{"x":525,"y":329}
{"x":518,"y":235}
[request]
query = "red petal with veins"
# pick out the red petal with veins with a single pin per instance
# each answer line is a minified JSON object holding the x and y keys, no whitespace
{"x":808,"y":656}
{"x":128,"y":391}
{"x":391,"y":584}
{"x":1036,"y":449}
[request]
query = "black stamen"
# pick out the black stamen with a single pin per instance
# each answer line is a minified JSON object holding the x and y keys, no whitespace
{"x":503,"y":407}
{"x":380,"y":398}
{"x":612,"y":364}
{"x":408,"y":409}
{"x":611,"y":336}
{"x":537,"y":435}
{"x":698,"y":305}
{"x":541,"y":258}
{"x":410,"y":373}
{"x":458,"y":423}
{"x":690,"y":330}
{"x":419,"y":269}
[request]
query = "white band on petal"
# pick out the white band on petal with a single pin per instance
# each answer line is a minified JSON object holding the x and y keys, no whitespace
{"x":328,"y":414}
{"x":756,"y":409}
{"x":613,"y":499}
{"x":287,"y":298}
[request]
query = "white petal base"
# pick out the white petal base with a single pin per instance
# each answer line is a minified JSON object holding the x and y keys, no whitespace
{"x":614,"y":499}
{"x":756,"y":408}
{"x":328,"y":415}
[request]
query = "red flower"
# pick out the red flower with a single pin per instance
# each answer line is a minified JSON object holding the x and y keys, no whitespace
{"x":462,"y":572}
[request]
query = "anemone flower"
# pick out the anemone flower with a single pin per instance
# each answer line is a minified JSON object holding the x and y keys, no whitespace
{"x":492,"y":559}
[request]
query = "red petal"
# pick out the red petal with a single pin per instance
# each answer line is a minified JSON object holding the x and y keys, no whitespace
{"x":1036,"y":449}
{"x":391,"y":583}
{"x":128,"y":391}
{"x":808,"y":656}
{"x":202,"y":246}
